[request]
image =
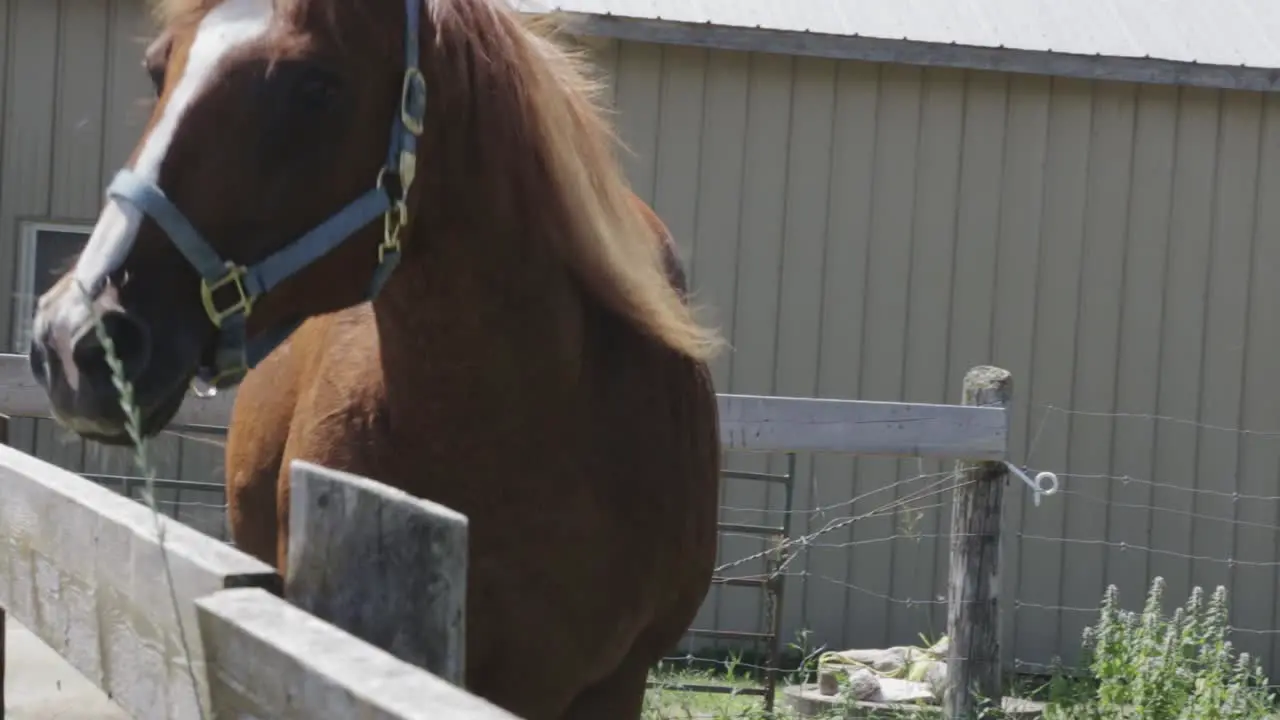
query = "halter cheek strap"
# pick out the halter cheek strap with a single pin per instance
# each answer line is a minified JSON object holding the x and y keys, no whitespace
{"x":229,"y":291}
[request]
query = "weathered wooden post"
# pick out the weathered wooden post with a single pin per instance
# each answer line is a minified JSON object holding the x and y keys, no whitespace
{"x":380,"y":564}
{"x":973,"y":612}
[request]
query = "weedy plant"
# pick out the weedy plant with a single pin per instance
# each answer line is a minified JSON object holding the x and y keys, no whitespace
{"x":133,"y":425}
{"x":1151,"y":667}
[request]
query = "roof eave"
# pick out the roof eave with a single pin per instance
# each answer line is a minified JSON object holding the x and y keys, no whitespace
{"x":912,"y":52}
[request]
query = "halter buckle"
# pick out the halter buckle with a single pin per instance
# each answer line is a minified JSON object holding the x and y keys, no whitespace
{"x":393,"y":223}
{"x":234,"y":278}
{"x":413,"y":100}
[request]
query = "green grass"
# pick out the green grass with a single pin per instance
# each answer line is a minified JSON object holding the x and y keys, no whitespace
{"x":667,"y":702}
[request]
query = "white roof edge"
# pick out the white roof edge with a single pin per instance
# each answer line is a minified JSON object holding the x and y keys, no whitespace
{"x":1031,"y":51}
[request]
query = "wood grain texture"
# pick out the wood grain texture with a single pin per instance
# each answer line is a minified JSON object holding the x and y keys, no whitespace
{"x":861,"y":427}
{"x":82,"y":568}
{"x":270,"y":660}
{"x":381,"y":564}
{"x":973,"y":607}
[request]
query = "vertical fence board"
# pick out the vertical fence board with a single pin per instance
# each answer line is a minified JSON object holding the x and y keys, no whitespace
{"x":348,"y":534}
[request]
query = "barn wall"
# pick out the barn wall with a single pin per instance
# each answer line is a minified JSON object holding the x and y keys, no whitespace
{"x":73,"y":101}
{"x":1106,"y":242}
{"x":1111,"y":244}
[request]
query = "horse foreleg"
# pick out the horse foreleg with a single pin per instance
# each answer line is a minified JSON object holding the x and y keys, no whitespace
{"x":251,"y":512}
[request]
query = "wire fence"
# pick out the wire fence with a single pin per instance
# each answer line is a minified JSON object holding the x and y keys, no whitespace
{"x":861,"y":561}
{"x":870,"y":571}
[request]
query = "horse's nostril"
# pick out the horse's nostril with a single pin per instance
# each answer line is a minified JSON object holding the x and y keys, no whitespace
{"x":130,"y":340}
{"x":36,"y":358}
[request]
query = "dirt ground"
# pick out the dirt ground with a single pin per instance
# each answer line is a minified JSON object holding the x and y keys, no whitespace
{"x":40,"y":685}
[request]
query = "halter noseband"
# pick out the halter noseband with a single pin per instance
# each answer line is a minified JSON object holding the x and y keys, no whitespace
{"x":238,"y":287}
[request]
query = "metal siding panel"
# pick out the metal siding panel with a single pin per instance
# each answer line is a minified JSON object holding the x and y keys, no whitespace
{"x":1061,"y":189}
{"x":1213,"y":529}
{"x":77,"y":150}
{"x":638,"y":96}
{"x":679,"y":137}
{"x":920,"y":555}
{"x":720,"y":168}
{"x":130,"y":97}
{"x":1254,"y":599}
{"x":720,"y":172}
{"x":1017,"y":263}
{"x":28,"y":124}
{"x":28,"y":149}
{"x":884,"y":339}
{"x":77,"y":137}
{"x":1096,"y":351}
{"x":844,"y":282}
{"x":716,"y":246}
{"x":1053,"y":338}
{"x":799,"y":330}
{"x":1142,"y":316}
{"x":1183,"y":341}
{"x":756,"y":301}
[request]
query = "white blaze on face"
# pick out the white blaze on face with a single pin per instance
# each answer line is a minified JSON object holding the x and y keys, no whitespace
{"x":227,"y":27}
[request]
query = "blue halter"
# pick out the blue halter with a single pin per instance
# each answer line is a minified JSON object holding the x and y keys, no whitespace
{"x":229,"y":291}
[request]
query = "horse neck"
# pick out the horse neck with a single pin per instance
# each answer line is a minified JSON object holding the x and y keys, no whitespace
{"x":485,"y":305}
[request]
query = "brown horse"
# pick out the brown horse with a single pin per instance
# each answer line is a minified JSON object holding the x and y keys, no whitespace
{"x":530,"y":361}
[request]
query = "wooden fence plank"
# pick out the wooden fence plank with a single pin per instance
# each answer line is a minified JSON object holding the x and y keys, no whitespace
{"x":348,"y":534}
{"x":747,"y":422}
{"x":81,"y":566}
{"x":269,"y":659}
{"x":861,"y":427}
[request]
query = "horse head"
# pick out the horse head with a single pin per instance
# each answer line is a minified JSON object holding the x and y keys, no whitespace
{"x":292,"y":147}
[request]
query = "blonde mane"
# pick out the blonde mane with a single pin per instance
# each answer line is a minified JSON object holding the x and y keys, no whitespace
{"x":611,"y":244}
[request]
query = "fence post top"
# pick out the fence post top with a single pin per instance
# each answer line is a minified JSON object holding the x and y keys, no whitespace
{"x":304,"y":476}
{"x":987,"y":385}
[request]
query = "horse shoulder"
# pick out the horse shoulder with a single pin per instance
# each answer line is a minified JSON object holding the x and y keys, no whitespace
{"x":341,"y":416}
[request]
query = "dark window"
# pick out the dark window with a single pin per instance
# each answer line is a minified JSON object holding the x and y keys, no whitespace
{"x":47,"y":250}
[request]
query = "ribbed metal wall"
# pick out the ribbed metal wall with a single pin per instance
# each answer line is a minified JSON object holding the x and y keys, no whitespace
{"x":872,"y":231}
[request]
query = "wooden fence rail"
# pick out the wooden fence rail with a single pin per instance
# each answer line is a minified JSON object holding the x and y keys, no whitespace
{"x":752,"y":423}
{"x":269,"y":659}
{"x":85,"y":569}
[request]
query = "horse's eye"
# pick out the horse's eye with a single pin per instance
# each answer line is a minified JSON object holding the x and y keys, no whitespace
{"x":157,"y":74}
{"x":315,"y":90}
